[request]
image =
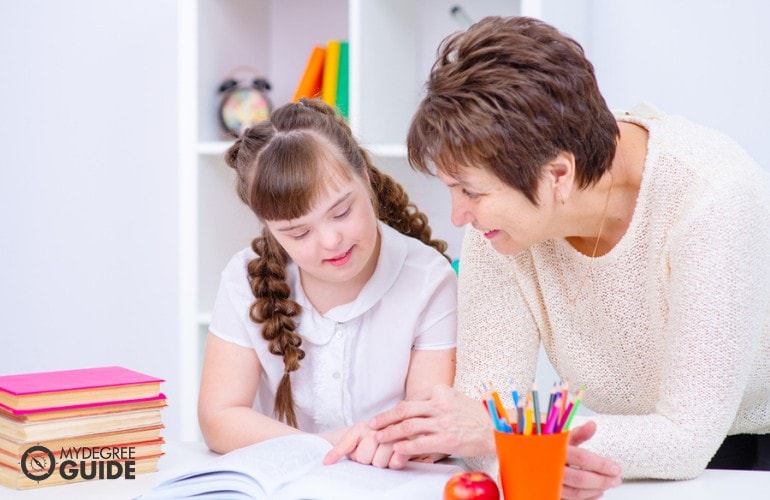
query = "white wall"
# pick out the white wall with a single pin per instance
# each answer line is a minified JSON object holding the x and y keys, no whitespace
{"x":708,"y":60}
{"x":88,"y":161}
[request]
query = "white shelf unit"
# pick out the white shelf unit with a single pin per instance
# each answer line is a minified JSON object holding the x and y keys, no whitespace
{"x":392,"y":46}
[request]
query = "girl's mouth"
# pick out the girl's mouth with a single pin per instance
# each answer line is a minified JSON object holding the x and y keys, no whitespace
{"x":341,"y":260}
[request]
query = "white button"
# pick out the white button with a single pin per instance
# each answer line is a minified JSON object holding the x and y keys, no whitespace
{"x":336,"y":375}
{"x":339,"y":334}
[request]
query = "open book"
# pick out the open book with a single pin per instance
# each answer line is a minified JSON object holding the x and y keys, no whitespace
{"x":291,"y":468}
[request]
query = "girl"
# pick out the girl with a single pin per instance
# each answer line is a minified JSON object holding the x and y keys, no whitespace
{"x":331,"y":316}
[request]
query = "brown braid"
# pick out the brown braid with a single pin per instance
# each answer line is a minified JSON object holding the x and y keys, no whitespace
{"x":395,"y":210}
{"x":280,"y":166}
{"x":275,"y":309}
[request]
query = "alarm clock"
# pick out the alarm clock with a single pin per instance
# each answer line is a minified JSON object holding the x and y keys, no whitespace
{"x":242,"y":104}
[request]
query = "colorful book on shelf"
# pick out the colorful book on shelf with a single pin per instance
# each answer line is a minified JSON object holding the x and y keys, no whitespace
{"x":343,"y":79}
{"x":331,"y":72}
{"x":78,"y":426}
{"x":69,"y":388}
{"x":101,"y":439}
{"x":312,"y":78}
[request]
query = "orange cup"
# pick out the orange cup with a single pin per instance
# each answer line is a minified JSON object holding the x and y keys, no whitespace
{"x":531,"y":466}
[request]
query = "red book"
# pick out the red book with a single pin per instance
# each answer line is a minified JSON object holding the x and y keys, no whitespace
{"x":83,"y":387}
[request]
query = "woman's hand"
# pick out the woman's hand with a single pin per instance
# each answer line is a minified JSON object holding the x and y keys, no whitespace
{"x":587,"y":475}
{"x":358,"y":444}
{"x":438,"y":420}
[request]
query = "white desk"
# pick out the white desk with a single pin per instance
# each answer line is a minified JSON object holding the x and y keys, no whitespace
{"x":711,"y":485}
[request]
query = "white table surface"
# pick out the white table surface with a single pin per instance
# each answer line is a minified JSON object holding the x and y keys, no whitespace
{"x":711,"y":485}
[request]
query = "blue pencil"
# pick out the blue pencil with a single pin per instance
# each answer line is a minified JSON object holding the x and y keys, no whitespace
{"x":493,"y":414}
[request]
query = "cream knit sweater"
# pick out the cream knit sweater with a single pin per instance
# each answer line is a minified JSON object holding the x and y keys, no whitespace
{"x":670,"y":333}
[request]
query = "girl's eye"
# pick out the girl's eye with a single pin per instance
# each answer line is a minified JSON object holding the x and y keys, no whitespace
{"x":343,"y":214}
{"x":300,"y":236}
{"x":470,"y":194}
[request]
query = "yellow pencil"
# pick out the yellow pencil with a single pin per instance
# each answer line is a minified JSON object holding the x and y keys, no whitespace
{"x":529,"y":416}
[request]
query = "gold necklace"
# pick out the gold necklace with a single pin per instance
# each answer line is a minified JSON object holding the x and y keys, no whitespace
{"x":596,"y":245}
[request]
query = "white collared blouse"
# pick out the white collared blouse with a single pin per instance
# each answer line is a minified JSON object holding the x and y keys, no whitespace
{"x":357,"y":354}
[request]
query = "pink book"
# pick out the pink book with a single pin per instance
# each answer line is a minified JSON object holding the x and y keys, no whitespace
{"x":82,"y":387}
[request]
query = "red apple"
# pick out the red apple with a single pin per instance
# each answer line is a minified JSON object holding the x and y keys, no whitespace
{"x":471,"y":485}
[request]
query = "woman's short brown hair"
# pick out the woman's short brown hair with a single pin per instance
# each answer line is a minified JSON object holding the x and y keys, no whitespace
{"x":508,"y":95}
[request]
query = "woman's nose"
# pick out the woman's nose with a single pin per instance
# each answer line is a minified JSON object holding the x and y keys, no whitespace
{"x":460,"y":215}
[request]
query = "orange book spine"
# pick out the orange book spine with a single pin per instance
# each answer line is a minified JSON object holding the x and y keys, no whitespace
{"x":312,"y":78}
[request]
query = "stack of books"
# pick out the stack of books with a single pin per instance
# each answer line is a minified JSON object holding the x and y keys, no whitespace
{"x":74,"y":425}
{"x":326,"y":75}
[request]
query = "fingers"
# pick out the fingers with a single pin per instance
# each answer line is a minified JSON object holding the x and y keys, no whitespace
{"x":402,"y":411}
{"x":382,"y":455}
{"x":581,"y":485}
{"x":366,"y":450}
{"x":588,"y":475}
{"x":346,"y":445}
{"x":587,"y":461}
{"x":398,"y":461}
{"x":580,"y":435}
{"x":407,"y":429}
{"x":421,"y":445}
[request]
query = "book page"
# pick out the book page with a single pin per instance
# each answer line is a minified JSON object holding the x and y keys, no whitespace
{"x":257,"y":470}
{"x":347,"y":480}
{"x":292,"y":467}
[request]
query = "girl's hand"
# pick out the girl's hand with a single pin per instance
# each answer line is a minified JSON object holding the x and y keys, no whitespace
{"x":358,"y":444}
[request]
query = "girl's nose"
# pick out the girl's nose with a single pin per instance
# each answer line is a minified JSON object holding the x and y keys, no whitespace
{"x":331,"y":238}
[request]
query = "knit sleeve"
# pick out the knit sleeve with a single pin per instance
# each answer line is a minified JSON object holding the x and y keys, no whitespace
{"x":496,"y":338}
{"x":718,"y":295}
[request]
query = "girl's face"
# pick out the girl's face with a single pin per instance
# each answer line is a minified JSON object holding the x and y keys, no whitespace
{"x":334,"y":242}
{"x":505,"y":216}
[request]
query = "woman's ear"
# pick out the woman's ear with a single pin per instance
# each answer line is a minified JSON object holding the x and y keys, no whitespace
{"x":560,"y":176}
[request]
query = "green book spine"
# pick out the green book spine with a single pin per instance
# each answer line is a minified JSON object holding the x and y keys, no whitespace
{"x":343,"y":80}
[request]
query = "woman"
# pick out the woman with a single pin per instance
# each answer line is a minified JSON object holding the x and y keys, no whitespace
{"x":344,"y":305}
{"x":635,"y":247}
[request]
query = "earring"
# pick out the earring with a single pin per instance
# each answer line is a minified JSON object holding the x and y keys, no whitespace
{"x":561,"y":197}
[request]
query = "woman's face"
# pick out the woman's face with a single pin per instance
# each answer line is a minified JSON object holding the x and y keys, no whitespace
{"x":335,"y":241}
{"x":505,"y":216}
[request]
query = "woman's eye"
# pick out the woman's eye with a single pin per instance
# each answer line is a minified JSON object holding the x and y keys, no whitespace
{"x":470,"y":194}
{"x":343,"y":214}
{"x":300,"y":235}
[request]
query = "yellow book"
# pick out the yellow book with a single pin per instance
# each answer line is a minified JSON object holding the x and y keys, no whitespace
{"x":331,"y":72}
{"x":116,"y":438}
{"x":78,"y":426}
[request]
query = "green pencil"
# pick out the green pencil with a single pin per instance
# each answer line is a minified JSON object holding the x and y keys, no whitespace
{"x":575,"y":407}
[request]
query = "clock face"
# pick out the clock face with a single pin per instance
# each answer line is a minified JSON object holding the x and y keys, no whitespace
{"x":38,"y":463}
{"x":242,"y":108}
